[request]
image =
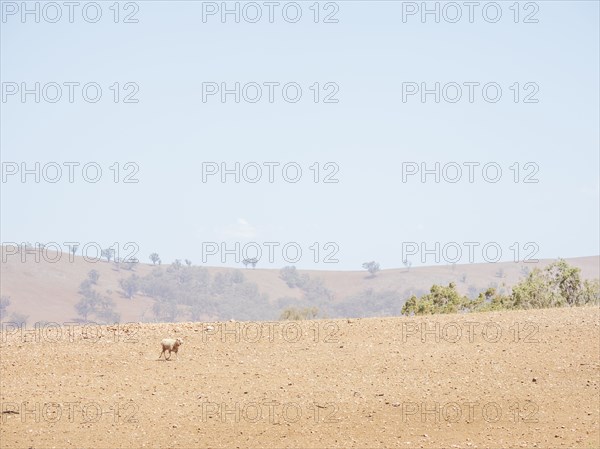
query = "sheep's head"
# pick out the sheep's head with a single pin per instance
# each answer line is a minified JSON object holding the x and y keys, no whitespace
{"x":179,"y":342}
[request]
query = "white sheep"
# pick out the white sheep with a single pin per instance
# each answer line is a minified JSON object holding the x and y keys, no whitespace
{"x":171,"y":345}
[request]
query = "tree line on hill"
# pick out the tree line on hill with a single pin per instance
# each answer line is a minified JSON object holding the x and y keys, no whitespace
{"x":183,"y":292}
{"x":189,"y":293}
{"x":557,"y":285}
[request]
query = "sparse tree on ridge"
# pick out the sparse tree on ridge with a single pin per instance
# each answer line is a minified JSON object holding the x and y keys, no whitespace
{"x":250,"y":261}
{"x":372,"y":267}
{"x":108,"y":253}
{"x":154,"y":257}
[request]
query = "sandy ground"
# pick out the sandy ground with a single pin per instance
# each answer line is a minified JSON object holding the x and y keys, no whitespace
{"x":512,"y":379}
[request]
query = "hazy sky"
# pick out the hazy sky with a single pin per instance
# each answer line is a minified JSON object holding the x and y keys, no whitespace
{"x":370,"y":58}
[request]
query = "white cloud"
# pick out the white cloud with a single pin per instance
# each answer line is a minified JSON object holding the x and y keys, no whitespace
{"x":241,"y":230}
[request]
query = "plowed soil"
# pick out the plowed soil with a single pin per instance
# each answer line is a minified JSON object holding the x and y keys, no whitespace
{"x":511,"y":379}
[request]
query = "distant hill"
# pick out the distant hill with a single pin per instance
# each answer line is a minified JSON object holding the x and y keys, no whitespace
{"x":48,"y":291}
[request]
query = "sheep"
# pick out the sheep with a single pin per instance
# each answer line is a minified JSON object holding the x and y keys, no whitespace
{"x":171,"y":345}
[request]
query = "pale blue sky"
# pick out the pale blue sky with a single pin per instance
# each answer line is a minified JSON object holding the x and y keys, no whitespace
{"x":369,"y":133}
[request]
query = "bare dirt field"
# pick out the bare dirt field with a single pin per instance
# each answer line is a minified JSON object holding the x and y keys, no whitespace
{"x":511,"y":379}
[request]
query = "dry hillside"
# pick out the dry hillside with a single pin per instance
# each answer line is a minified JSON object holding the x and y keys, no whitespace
{"x":48,"y":291}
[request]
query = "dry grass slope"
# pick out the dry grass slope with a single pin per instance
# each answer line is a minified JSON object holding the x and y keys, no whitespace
{"x":48,"y":291}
